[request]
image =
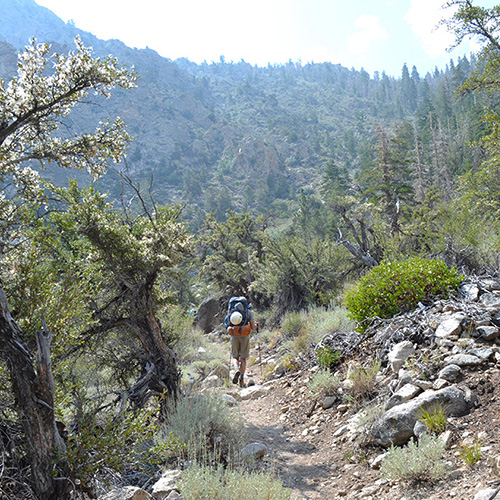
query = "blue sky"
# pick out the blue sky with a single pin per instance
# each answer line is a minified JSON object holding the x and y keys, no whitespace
{"x":376,"y":35}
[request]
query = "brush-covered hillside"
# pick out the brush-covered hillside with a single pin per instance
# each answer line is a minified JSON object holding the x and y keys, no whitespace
{"x":358,"y":215}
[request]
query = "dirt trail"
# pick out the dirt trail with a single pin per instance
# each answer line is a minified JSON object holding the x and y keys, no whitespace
{"x":311,"y":455}
{"x":300,"y":464}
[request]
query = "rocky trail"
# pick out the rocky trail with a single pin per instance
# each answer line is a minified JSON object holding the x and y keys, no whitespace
{"x":315,"y":449}
{"x":445,"y":353}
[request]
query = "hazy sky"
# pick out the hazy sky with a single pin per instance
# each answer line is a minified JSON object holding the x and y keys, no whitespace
{"x":375,"y":35}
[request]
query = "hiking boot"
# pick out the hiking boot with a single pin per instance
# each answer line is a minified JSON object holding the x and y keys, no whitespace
{"x":242,"y":384}
{"x":236,"y":376}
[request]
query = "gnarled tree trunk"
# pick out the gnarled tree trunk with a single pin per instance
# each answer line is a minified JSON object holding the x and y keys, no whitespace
{"x":33,"y":388}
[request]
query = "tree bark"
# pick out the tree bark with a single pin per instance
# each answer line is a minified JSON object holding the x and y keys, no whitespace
{"x":160,"y":373}
{"x":34,"y":401}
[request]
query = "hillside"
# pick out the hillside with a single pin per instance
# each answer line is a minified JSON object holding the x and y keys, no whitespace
{"x":233,"y":135}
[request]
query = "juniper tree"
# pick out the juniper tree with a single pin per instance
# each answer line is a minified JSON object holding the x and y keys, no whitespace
{"x":33,"y":105}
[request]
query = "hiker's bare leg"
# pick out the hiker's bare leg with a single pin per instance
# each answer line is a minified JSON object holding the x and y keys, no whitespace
{"x":243,"y":366}
{"x":236,"y":363}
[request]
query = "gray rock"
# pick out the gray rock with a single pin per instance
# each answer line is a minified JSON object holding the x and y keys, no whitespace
{"x":495,"y":319}
{"x":482,"y":353}
{"x":397,"y":424}
{"x":174,"y":495}
{"x":449,"y":328}
{"x":208,"y":314}
{"x":489,"y":332}
{"x":407,"y":392}
{"x":254,"y":450}
{"x":377,"y":461}
{"x":440,"y":383}
{"x":450,"y":373}
{"x":328,"y":402}
{"x":487,"y":494}
{"x":419,"y":428}
{"x":470,"y":291}
{"x":470,"y":398}
{"x":491,"y":301}
{"x":462,"y":360}
{"x":166,"y":484}
{"x":253,"y":392}
{"x":127,"y":493}
{"x":399,"y":354}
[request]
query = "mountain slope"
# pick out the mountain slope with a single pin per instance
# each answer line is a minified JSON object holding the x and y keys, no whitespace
{"x":228,"y":135}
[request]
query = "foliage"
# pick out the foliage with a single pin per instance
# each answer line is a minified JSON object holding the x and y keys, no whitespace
{"x":471,"y":452}
{"x":40,"y":272}
{"x":362,"y":378}
{"x":416,"y":462}
{"x":293,"y":324}
{"x":208,"y":483}
{"x":100,"y":443}
{"x":327,"y":357}
{"x":395,"y":287}
{"x":323,"y":383}
{"x":296,"y":274}
{"x":229,"y":250}
{"x":202,"y":426}
{"x":434,"y":418}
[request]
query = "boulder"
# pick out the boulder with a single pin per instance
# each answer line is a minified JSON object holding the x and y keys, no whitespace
{"x":397,"y":424}
{"x":470,"y":291}
{"x":253,"y":392}
{"x":208,"y":314}
{"x":407,"y":392}
{"x":489,"y":332}
{"x":491,"y":301}
{"x":486,"y":494}
{"x":399,"y":354}
{"x":166,"y":484}
{"x":462,"y":360}
{"x":450,"y":373}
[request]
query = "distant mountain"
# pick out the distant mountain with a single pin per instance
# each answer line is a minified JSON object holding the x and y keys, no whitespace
{"x":227,"y":135}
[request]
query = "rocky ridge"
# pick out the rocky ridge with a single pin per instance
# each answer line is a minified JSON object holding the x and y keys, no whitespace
{"x":446,"y":352}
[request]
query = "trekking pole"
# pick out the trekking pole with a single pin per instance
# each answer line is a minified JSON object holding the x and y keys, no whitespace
{"x":260,"y":360}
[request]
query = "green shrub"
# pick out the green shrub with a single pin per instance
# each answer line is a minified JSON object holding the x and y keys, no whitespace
{"x":107,"y":442}
{"x":327,"y":357}
{"x":395,"y":287}
{"x":200,"y":426}
{"x":323,"y":383}
{"x":209,"y":483}
{"x":416,"y":462}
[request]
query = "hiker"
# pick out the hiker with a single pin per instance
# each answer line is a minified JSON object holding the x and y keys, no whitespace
{"x":240,"y":323}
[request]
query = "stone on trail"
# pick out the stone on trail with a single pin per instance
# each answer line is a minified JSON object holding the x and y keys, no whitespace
{"x":126,"y":493}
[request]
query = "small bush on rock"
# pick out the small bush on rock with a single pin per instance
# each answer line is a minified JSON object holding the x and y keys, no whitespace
{"x":434,"y":418}
{"x":416,"y":462}
{"x":395,"y":287}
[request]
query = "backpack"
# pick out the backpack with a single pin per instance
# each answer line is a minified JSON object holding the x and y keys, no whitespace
{"x":239,"y":304}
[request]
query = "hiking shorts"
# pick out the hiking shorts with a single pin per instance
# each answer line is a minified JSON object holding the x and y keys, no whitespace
{"x":240,"y":346}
